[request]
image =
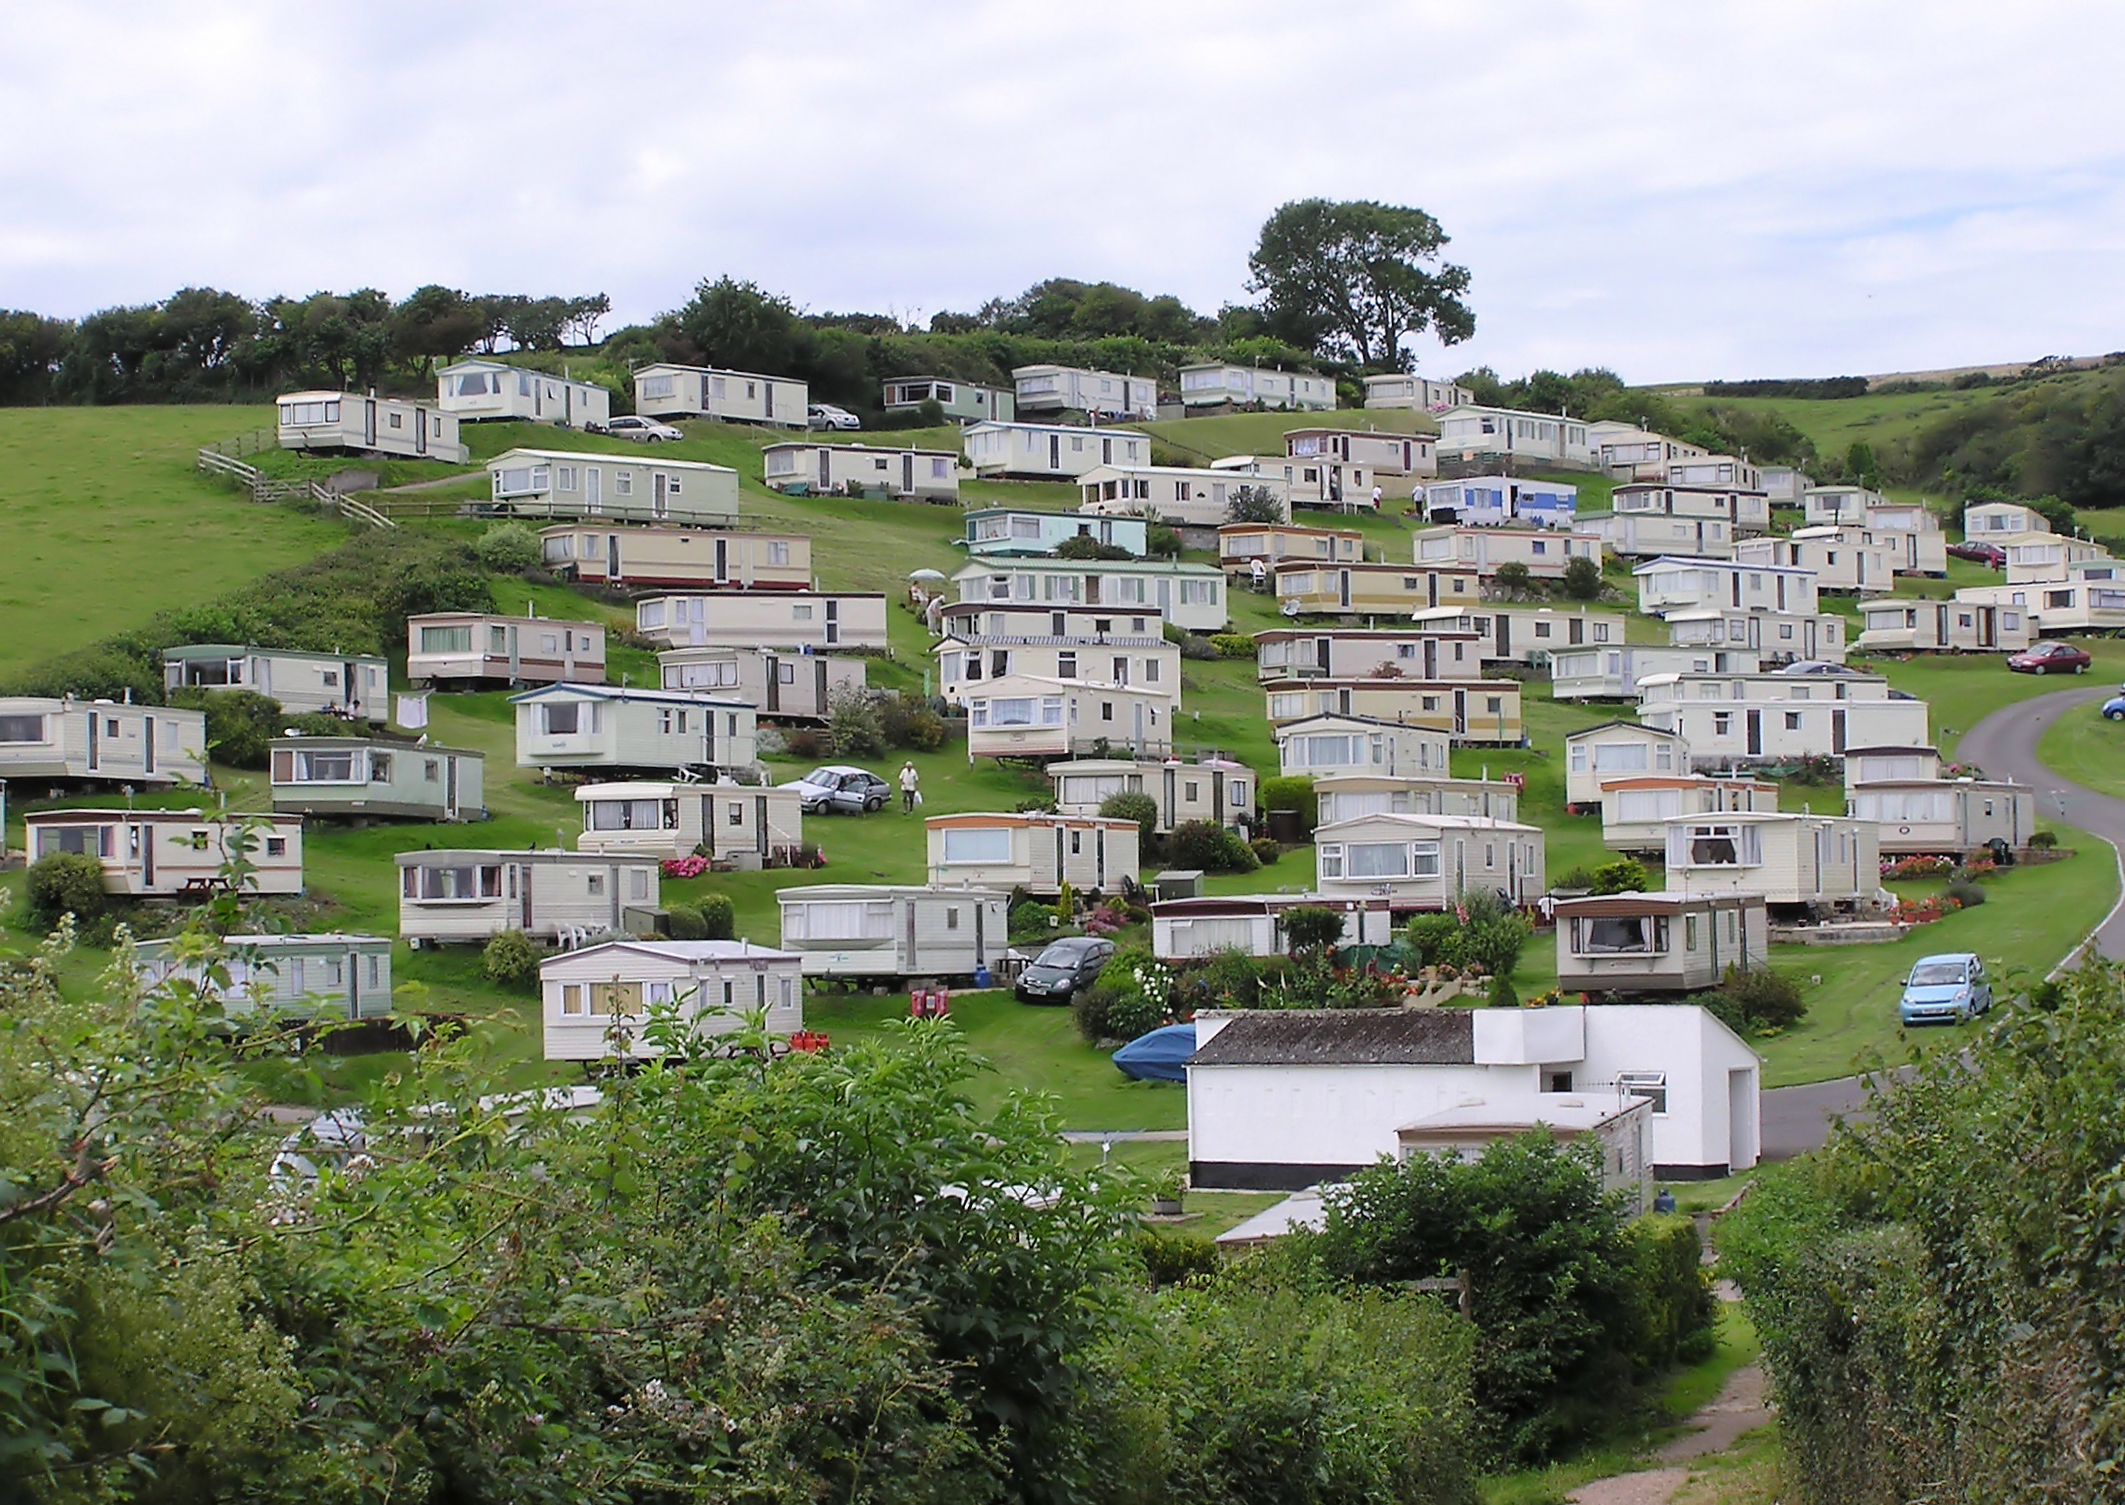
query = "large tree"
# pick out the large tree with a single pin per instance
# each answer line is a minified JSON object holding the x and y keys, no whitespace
{"x":1353,"y":279}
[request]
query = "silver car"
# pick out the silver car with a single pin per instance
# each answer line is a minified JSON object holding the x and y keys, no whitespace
{"x":641,"y":430}
{"x":840,"y":788}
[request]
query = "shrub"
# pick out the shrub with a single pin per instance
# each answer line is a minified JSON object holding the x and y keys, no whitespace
{"x":1029,"y":920}
{"x":1513,"y":577}
{"x":1207,"y":845}
{"x":1138,"y":994}
{"x":1312,"y":927}
{"x":1229,"y":980}
{"x":1160,"y":540}
{"x":1765,"y":999}
{"x":2044,"y":841}
{"x":1292,"y":793}
{"x":1084,"y":546}
{"x":241,"y":724}
{"x":686,"y":923}
{"x":855,"y":726}
{"x":1626,"y":875}
{"x":1172,"y":1259}
{"x":803,"y":742}
{"x":908,"y":721}
{"x":1676,"y":1312}
{"x":1089,"y":1010}
{"x":508,"y":549}
{"x":1234,"y":645}
{"x":1579,"y":877}
{"x":511,"y":960}
{"x":718,"y":917}
{"x":1196,"y":647}
{"x":1133,"y":1014}
{"x":1582,"y":579}
{"x":66,"y":883}
{"x":1966,"y":892}
{"x":1501,"y":994}
{"x":1436,"y":938}
{"x":1131,"y":805}
{"x":1037,"y":804}
{"x":1254,"y":504}
{"x":1265,"y":850}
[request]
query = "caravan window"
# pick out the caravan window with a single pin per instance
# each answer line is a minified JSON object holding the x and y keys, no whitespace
{"x":563,"y":720}
{"x":324,"y":767}
{"x":85,"y":841}
{"x":436,"y":884}
{"x":21,"y":728}
{"x":1619,"y":934}
{"x":977,"y":844}
{"x":837,"y":922}
{"x":297,"y":414}
{"x":446,"y":639}
{"x":473,"y":384}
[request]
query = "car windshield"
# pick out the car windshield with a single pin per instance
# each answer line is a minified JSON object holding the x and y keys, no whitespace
{"x":826,"y":778}
{"x":1937,"y":974}
{"x":1062,"y":954}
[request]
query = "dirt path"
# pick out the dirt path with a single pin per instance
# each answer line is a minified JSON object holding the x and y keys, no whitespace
{"x":1741,"y":1407}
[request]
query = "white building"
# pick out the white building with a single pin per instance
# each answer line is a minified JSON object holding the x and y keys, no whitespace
{"x":2001,"y":522}
{"x":467,"y":647}
{"x":962,"y":401}
{"x":1635,"y":811}
{"x":1658,"y":943}
{"x":1428,"y":861}
{"x":283,"y":976}
{"x":1683,"y":584}
{"x":101,"y":740}
{"x":166,"y":854}
{"x":1649,"y":535}
{"x":752,"y":825}
{"x":364,"y":777}
{"x":1345,"y":796}
{"x":1785,"y":485}
{"x":1399,"y":389}
{"x":1185,"y":498}
{"x":1545,"y":553}
{"x":929,"y":475}
{"x":1253,"y":924}
{"x":1213,"y":789}
{"x":1596,"y":755}
{"x":1818,"y":861}
{"x":1495,"y":501}
{"x":1475,"y":713}
{"x":581,"y":484}
{"x":1389,"y":454}
{"x":1741,"y":510}
{"x":1074,"y":389}
{"x":1188,"y":595}
{"x":782,"y":684}
{"x":1628,"y":452}
{"x":1524,"y":634}
{"x":885,"y":931}
{"x":1949,"y":817}
{"x":1050,"y":452}
{"x":1361,"y":653}
{"x":702,"y":558}
{"x":599,"y":1002}
{"x":1036,"y":852}
{"x":476,"y":390}
{"x":1898,"y":624}
{"x":1221,"y":385}
{"x":663,"y":390}
{"x":1325,"y":482}
{"x":1780,"y":636}
{"x":2049,"y":556}
{"x":822,"y":621}
{"x":1834,"y":506}
{"x":1613,"y":673}
{"x":468,"y":894}
{"x":613,"y":729}
{"x":1848,"y":561}
{"x":1027,"y":716}
{"x":347,"y":422}
{"x":1469,"y":434}
{"x":1323,"y":745}
{"x":1240,"y":544}
{"x":1027,"y":530}
{"x":1149,"y":662}
{"x":355,"y":683}
{"x":2079,"y":604}
{"x":1771,"y":718}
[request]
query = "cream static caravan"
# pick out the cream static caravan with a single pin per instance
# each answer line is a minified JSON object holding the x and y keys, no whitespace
{"x":781,"y":684}
{"x":1346,"y":796}
{"x":1187,"y":595}
{"x":366,"y":777}
{"x":1397,"y":389}
{"x":2001,"y":522}
{"x":1388,"y":454}
{"x":163,"y":854}
{"x":709,"y":559}
{"x":285,"y":976}
{"x":613,"y":729}
{"x":1714,"y":471}
{"x":1634,"y":811}
{"x":477,"y":390}
{"x":470,"y":894}
{"x":878,"y":930}
{"x":1596,"y":755}
{"x":1035,"y":852}
{"x":1428,"y":861}
{"x":1240,"y":544}
{"x":1050,"y":452}
{"x":1744,"y":511}
{"x":619,"y":488}
{"x":348,"y":423}
{"x":928,"y":475}
{"x":1067,"y":389}
{"x":1483,"y":713}
{"x":1213,"y":385}
{"x":1367,"y":653}
{"x":2057,"y":606}
{"x":1213,"y":789}
{"x":1813,"y":861}
{"x":596,"y":1002}
{"x":1325,"y":482}
{"x":1146,"y":663}
{"x":1946,"y":817}
{"x":1186,"y":498}
{"x":1658,"y":943}
{"x":1613,"y":673}
{"x":1848,"y":561}
{"x":963,"y":402}
{"x":1545,"y":554}
{"x":1253,"y":924}
{"x":1500,"y":501}
{"x":2048,"y":556}
{"x":1470,"y":434}
{"x":355,"y":683}
{"x":1627,"y":452}
{"x":1027,"y":530}
{"x":1899,"y":624}
{"x":44,"y":738}
{"x":822,"y":620}
{"x":670,"y":391}
{"x":1397,"y":590}
{"x":1834,"y":506}
{"x":1770,"y":718}
{"x":468,"y":647}
{"x":752,"y":824}
{"x":1524,"y":634}
{"x":1324,"y":745}
{"x":1649,"y":535}
{"x":1684,"y":584}
{"x":1779,"y":636}
{"x":1026,"y":716}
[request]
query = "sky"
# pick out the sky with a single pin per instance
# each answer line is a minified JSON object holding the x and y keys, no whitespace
{"x":1678,"y":191}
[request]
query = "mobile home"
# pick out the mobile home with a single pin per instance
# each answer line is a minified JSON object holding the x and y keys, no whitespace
{"x":1213,"y":789}
{"x":1240,"y":544}
{"x":1834,"y":506}
{"x":668,"y":391}
{"x":1785,"y":485}
{"x":1673,"y":583}
{"x":1891,"y":765}
{"x":165,"y":854}
{"x":989,"y":623}
{"x":597,"y":1002}
{"x":1253,"y":924}
{"x":877,"y":930}
{"x":1849,"y":561}
{"x":1428,"y":861}
{"x":1742,"y":511}
{"x":963,"y":401}
{"x":1613,"y":673}
{"x":1471,"y":435}
{"x":2057,"y":607}
{"x":1399,"y":389}
{"x":1306,"y":589}
{"x":1634,"y":811}
{"x":927,"y":475}
{"x":1736,"y":719}
{"x":1216,"y":385}
{"x":1388,"y":454}
{"x":1483,"y":713}
{"x":2048,"y":556}
{"x":1024,"y":530}
{"x":477,"y":390}
{"x":1658,"y":943}
{"x":1346,"y":796}
{"x":704,"y":559}
{"x":1038,"y":853}
{"x":285,"y":976}
{"x":552,"y":894}
{"x":1543,"y":553}
{"x":1714,"y":471}
{"x":593,"y":728}
{"x":754,"y":825}
{"x":1027,"y":716}
{"x":1149,"y":662}
{"x":1596,"y":755}
{"x":1524,"y":634}
{"x":1324,"y":745}
{"x":1327,"y":482}
{"x":1780,"y":636}
{"x":781,"y":685}
{"x":1073,"y":389}
{"x":468,"y":647}
{"x":1362,"y":653}
{"x":1185,"y":498}
{"x":818,"y":620}
{"x":1187,"y":595}
{"x":1650,"y":535}
{"x":2001,"y":522}
{"x":44,"y":738}
{"x":349,"y":423}
{"x":1816,"y":861}
{"x":1627,"y":452}
{"x":1901,"y":625}
{"x":616,"y":488}
{"x":1950,"y":817}
{"x":354,"y":684}
{"x":1496,"y":501}
{"x":364,"y":777}
{"x":1050,"y":452}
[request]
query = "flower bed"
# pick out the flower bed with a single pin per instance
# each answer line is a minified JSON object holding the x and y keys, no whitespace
{"x":1907,"y":869}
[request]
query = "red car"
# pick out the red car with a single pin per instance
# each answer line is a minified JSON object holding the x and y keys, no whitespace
{"x":2050,"y":658}
{"x":1980,"y":553}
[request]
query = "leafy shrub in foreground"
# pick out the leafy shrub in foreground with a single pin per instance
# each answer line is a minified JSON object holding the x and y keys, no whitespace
{"x":66,"y":883}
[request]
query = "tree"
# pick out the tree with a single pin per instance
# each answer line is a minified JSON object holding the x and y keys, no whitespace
{"x":434,"y":322}
{"x":1355,"y":279}
{"x":1312,"y":927}
{"x":1514,"y":578}
{"x":740,"y":325}
{"x":1582,"y":579}
{"x":1254,"y":504}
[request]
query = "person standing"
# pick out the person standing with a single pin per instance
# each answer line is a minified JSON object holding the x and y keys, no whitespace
{"x":1376,"y":495}
{"x":910,"y":786}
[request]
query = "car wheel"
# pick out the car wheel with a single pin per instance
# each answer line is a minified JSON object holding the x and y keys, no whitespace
{"x":873,"y":806}
{"x":2114,"y":715}
{"x":2080,"y":668}
{"x":2043,"y":668}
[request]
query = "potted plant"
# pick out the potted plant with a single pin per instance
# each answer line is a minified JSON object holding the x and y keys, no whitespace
{"x":1166,"y":1193}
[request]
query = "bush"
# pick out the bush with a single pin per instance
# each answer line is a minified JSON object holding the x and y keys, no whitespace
{"x":1089,"y":1009}
{"x":1513,"y":577}
{"x":241,"y":724}
{"x":1265,"y":850}
{"x":1229,"y":980}
{"x":803,"y":743}
{"x":1676,"y":1312}
{"x":1134,"y":1014}
{"x":1161,"y":541}
{"x":1765,"y":999}
{"x":1965,"y":891}
{"x":1254,"y":504}
{"x":1172,"y":1259}
{"x":907,"y":720}
{"x":1579,"y":877}
{"x":1483,"y":934}
{"x":1501,"y":994}
{"x":855,"y":726}
{"x":1085,"y":546}
{"x":1582,"y":579}
{"x":1626,"y":875}
{"x":1198,"y":648}
{"x":1291,"y":793}
{"x":508,"y":549}
{"x":1312,"y":927}
{"x":66,"y":883}
{"x":1234,"y":645}
{"x":1036,"y":804}
{"x":1131,"y":805}
{"x":1136,"y":995}
{"x":2044,"y":841}
{"x":1207,"y":845}
{"x":686,"y":923}
{"x":1028,"y":921}
{"x":511,"y":960}
{"x":1436,"y":938}
{"x":719,"y":917}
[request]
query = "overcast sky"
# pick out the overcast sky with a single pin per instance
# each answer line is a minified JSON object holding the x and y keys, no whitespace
{"x":1679,"y":191}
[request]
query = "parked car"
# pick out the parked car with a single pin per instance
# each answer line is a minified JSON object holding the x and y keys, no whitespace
{"x":1815,"y":666}
{"x":1062,"y":968}
{"x":2114,"y":708}
{"x":1945,"y":989}
{"x":641,"y":430}
{"x":1979,"y":553}
{"x":2050,"y":658}
{"x":824,"y":415}
{"x":855,"y":791}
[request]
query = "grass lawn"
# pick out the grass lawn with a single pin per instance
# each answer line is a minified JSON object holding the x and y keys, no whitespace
{"x":2089,"y":747}
{"x":1963,"y":689}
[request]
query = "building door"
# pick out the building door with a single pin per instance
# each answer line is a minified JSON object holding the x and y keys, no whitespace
{"x":1741,"y":1118}
{"x":1431,"y":588}
{"x":774,"y":684}
{"x":1165,"y":597}
{"x":1099,"y":857}
{"x":1987,"y":627}
{"x":523,"y":889}
{"x":369,"y":424}
{"x":1055,"y":451}
{"x":833,"y":622}
{"x":767,"y":396}
{"x":449,"y":788}
{"x":1755,"y":733}
{"x":907,"y":475}
{"x":826,"y":469}
{"x":1807,"y":636}
{"x":1837,"y":731}
{"x":818,"y":687}
{"x":95,"y":742}
{"x":613,"y":568}
{"x":909,"y":954}
{"x":722,"y":560}
{"x":1106,"y":451}
{"x":760,"y":824}
{"x":1431,"y":658}
{"x":1504,"y":630}
{"x":1343,"y":700}
{"x":1575,"y":632}
{"x":147,"y":743}
{"x":1460,"y":713}
{"x":658,"y":506}
{"x":593,"y":489}
{"x":1321,"y":654}
{"x":1136,"y":728}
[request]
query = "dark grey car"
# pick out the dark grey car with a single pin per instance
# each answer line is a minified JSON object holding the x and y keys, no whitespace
{"x":1064,"y":967}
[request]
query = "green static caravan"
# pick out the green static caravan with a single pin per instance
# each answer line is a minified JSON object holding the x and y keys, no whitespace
{"x":368,"y":776}
{"x":284,"y":976}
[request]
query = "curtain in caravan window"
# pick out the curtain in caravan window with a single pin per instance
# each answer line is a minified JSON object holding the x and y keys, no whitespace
{"x":1621,"y":933}
{"x":1645,"y":804}
{"x":1208,"y":937}
{"x":1379,"y":859}
{"x":1620,"y":757}
{"x":977,"y":844}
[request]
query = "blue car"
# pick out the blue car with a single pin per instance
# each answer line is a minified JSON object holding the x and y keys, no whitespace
{"x":2114,"y":708}
{"x":1945,"y":989}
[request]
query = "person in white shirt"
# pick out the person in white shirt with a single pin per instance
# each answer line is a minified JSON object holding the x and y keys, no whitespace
{"x":910,"y":786}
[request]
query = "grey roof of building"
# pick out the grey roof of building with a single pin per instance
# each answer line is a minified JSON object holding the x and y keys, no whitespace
{"x":1344,"y":1037}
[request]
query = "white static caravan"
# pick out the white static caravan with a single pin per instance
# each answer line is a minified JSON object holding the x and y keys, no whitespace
{"x":1253,"y":924}
{"x":1524,"y":634}
{"x":758,"y":824}
{"x":819,"y":620}
{"x":1216,"y":385}
{"x":286,"y":976}
{"x":1073,"y":389}
{"x":1891,"y":765}
{"x":965,"y":667}
{"x":2001,"y":522}
{"x":470,"y":894}
{"x":1780,"y":637}
{"x":1767,"y":718}
{"x":1212,"y":789}
{"x":591,"y":728}
{"x":1684,"y":584}
{"x":1613,"y":673}
{"x":669,"y":391}
{"x":1428,"y":861}
{"x":1324,"y":745}
{"x":1543,"y":553}
{"x":1596,"y":755}
{"x":477,"y":390}
{"x":1025,"y":530}
{"x":1185,"y":498}
{"x":780,"y":684}
{"x":1240,"y":544}
{"x":929,"y":475}
{"x":1714,"y":471}
{"x":1658,"y":943}
{"x":164,"y":854}
{"x":355,"y":683}
{"x":1346,"y":796}
{"x":963,"y":401}
{"x":709,"y":559}
{"x":1480,"y":713}
{"x":1380,"y":589}
{"x":597,"y":1001}
{"x":1628,"y":452}
{"x":347,"y":422}
{"x":2031,"y":561}
{"x":1649,"y":535}
{"x":1785,"y":485}
{"x":1635,"y":811}
{"x":1187,"y":595}
{"x":1050,"y":452}
{"x":1471,"y":435}
{"x":467,"y":647}
{"x":365,"y":777}
{"x":1027,"y":716}
{"x":44,"y":738}
{"x":1326,"y":482}
{"x":1901,"y":625}
{"x":2057,"y":607}
{"x":1819,"y":861}
{"x":1501,"y":501}
{"x":1361,"y":653}
{"x":884,"y":931}
{"x":618,"y":488}
{"x":1945,"y":817}
{"x":1014,"y":623}
{"x":1744,"y":512}
{"x":1387,"y":453}
{"x":1398,"y":389}
{"x":1836,"y":506}
{"x":1849,"y":561}
{"x":1036,"y":852}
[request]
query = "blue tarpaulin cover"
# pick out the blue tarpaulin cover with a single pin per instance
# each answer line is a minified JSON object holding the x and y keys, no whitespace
{"x":1157,"y":1057}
